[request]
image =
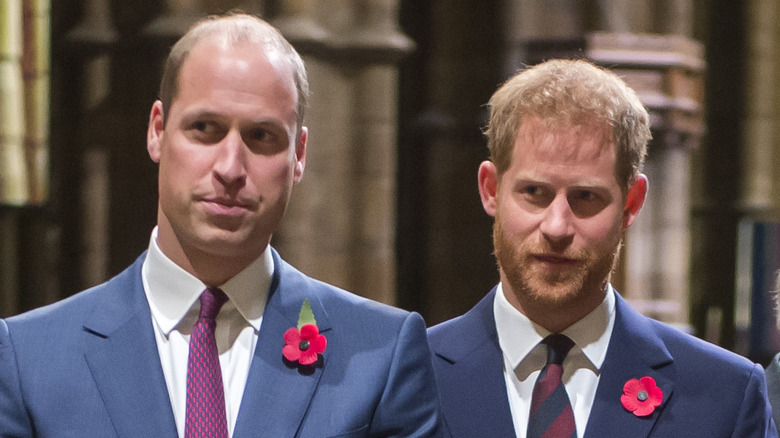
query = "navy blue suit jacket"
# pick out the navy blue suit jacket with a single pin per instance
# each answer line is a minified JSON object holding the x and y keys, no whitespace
{"x":708,"y":391}
{"x":88,"y":366}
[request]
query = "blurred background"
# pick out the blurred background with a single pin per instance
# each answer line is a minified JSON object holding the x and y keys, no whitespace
{"x":389,"y":206}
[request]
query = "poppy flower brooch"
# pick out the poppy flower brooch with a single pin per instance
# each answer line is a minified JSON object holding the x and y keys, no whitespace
{"x":304,"y":343}
{"x":641,"y":396}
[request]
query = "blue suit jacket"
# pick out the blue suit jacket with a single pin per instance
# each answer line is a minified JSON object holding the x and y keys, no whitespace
{"x":773,"y":386}
{"x":88,"y":367}
{"x":708,"y":391}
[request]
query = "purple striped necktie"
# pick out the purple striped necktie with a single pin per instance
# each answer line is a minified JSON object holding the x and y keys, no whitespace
{"x":205,"y":415}
{"x":551,"y":413}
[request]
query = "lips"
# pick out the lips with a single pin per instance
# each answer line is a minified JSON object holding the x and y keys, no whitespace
{"x":555,"y":260}
{"x":227,"y":202}
{"x":226,"y":206}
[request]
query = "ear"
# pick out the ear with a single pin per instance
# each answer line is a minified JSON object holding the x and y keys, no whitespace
{"x":300,"y":154}
{"x":488,"y":186}
{"x":155,"y":131}
{"x":634,"y":200}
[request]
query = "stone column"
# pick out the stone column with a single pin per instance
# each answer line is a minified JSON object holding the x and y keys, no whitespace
{"x":667,"y":73}
{"x":315,"y":234}
{"x":716,"y":175}
{"x":14,"y":189}
{"x":92,"y":36}
{"x":634,"y":39}
{"x":35,"y":68}
{"x":447,"y":262}
{"x":340,"y":224}
{"x":758,"y":244}
{"x":659,"y":59}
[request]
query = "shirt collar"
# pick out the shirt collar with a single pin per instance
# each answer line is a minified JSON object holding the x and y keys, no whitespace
{"x":172,"y":291}
{"x":518,"y":335}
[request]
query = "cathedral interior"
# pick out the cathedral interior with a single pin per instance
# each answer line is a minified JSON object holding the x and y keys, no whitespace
{"x":389,"y":206}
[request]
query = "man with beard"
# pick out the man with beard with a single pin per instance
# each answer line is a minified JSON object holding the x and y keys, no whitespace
{"x":553,"y":350}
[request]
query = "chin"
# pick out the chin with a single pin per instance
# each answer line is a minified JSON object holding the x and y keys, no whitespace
{"x":553,"y":295}
{"x":223,"y":242}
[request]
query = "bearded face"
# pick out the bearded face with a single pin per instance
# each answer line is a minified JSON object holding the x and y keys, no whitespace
{"x":559,"y":216}
{"x":587,"y":272}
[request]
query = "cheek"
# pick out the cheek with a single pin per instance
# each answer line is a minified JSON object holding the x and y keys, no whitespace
{"x":516,"y":222}
{"x":181,"y":164}
{"x":602,"y":229}
{"x":275,"y":173}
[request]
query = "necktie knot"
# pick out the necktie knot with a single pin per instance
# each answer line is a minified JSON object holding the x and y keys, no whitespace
{"x":211,"y":301}
{"x":558,"y":347}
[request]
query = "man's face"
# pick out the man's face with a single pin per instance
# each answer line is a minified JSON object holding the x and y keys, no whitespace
{"x":228,"y":155}
{"x":559,"y":214}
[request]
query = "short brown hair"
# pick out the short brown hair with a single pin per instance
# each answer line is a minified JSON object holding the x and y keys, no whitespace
{"x":570,"y":92}
{"x":232,"y":28}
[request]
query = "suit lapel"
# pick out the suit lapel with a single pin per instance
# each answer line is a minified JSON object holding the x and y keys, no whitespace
{"x":470,"y":375}
{"x":634,"y":351}
{"x":122,"y":356}
{"x":277,"y":393}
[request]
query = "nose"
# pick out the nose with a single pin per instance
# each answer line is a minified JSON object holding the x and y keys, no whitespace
{"x":230,"y":164}
{"x":557,"y":221}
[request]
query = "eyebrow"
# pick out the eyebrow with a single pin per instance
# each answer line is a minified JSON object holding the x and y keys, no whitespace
{"x":584,"y":184}
{"x":209,"y":114}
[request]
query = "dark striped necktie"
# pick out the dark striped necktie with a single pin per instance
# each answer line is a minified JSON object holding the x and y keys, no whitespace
{"x":551,"y":412}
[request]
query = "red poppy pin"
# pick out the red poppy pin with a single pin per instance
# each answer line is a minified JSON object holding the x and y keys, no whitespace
{"x":304,"y":344}
{"x":641,"y":396}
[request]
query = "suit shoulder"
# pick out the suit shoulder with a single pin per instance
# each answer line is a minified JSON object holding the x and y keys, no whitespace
{"x":73,"y":308}
{"x":697,"y":353}
{"x":689,"y":353}
{"x":450,"y":328}
{"x":351,"y":302}
{"x":479,"y":319}
{"x":341,"y":304}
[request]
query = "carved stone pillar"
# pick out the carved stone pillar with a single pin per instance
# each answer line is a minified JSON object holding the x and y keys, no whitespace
{"x":667,"y":73}
{"x":340,"y":223}
{"x":758,"y":244}
{"x":716,"y":175}
{"x":445,"y":248}
{"x":93,"y":36}
{"x":655,"y":54}
{"x":14,"y":189}
{"x":28,"y":241}
{"x":35,"y":67}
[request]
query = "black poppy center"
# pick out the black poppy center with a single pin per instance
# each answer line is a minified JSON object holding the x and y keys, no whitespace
{"x":303,"y":345}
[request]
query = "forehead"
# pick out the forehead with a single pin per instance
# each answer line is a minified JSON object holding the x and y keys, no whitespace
{"x":549,"y":148}
{"x":564,"y":141}
{"x":237,"y":71}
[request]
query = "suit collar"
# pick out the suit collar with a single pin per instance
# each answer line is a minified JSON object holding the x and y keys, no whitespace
{"x":171,"y":291}
{"x":272,"y":381}
{"x":634,"y":351}
{"x":122,"y":356}
{"x":773,"y":386}
{"x":470,"y":373}
{"x":469,"y":332}
{"x":518,"y":335}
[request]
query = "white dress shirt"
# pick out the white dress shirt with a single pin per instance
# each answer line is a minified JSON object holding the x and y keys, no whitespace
{"x":524,"y":357}
{"x":173,"y":299}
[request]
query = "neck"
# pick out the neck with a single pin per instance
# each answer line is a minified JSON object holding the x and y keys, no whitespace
{"x":213,"y":269}
{"x":555,"y":316}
